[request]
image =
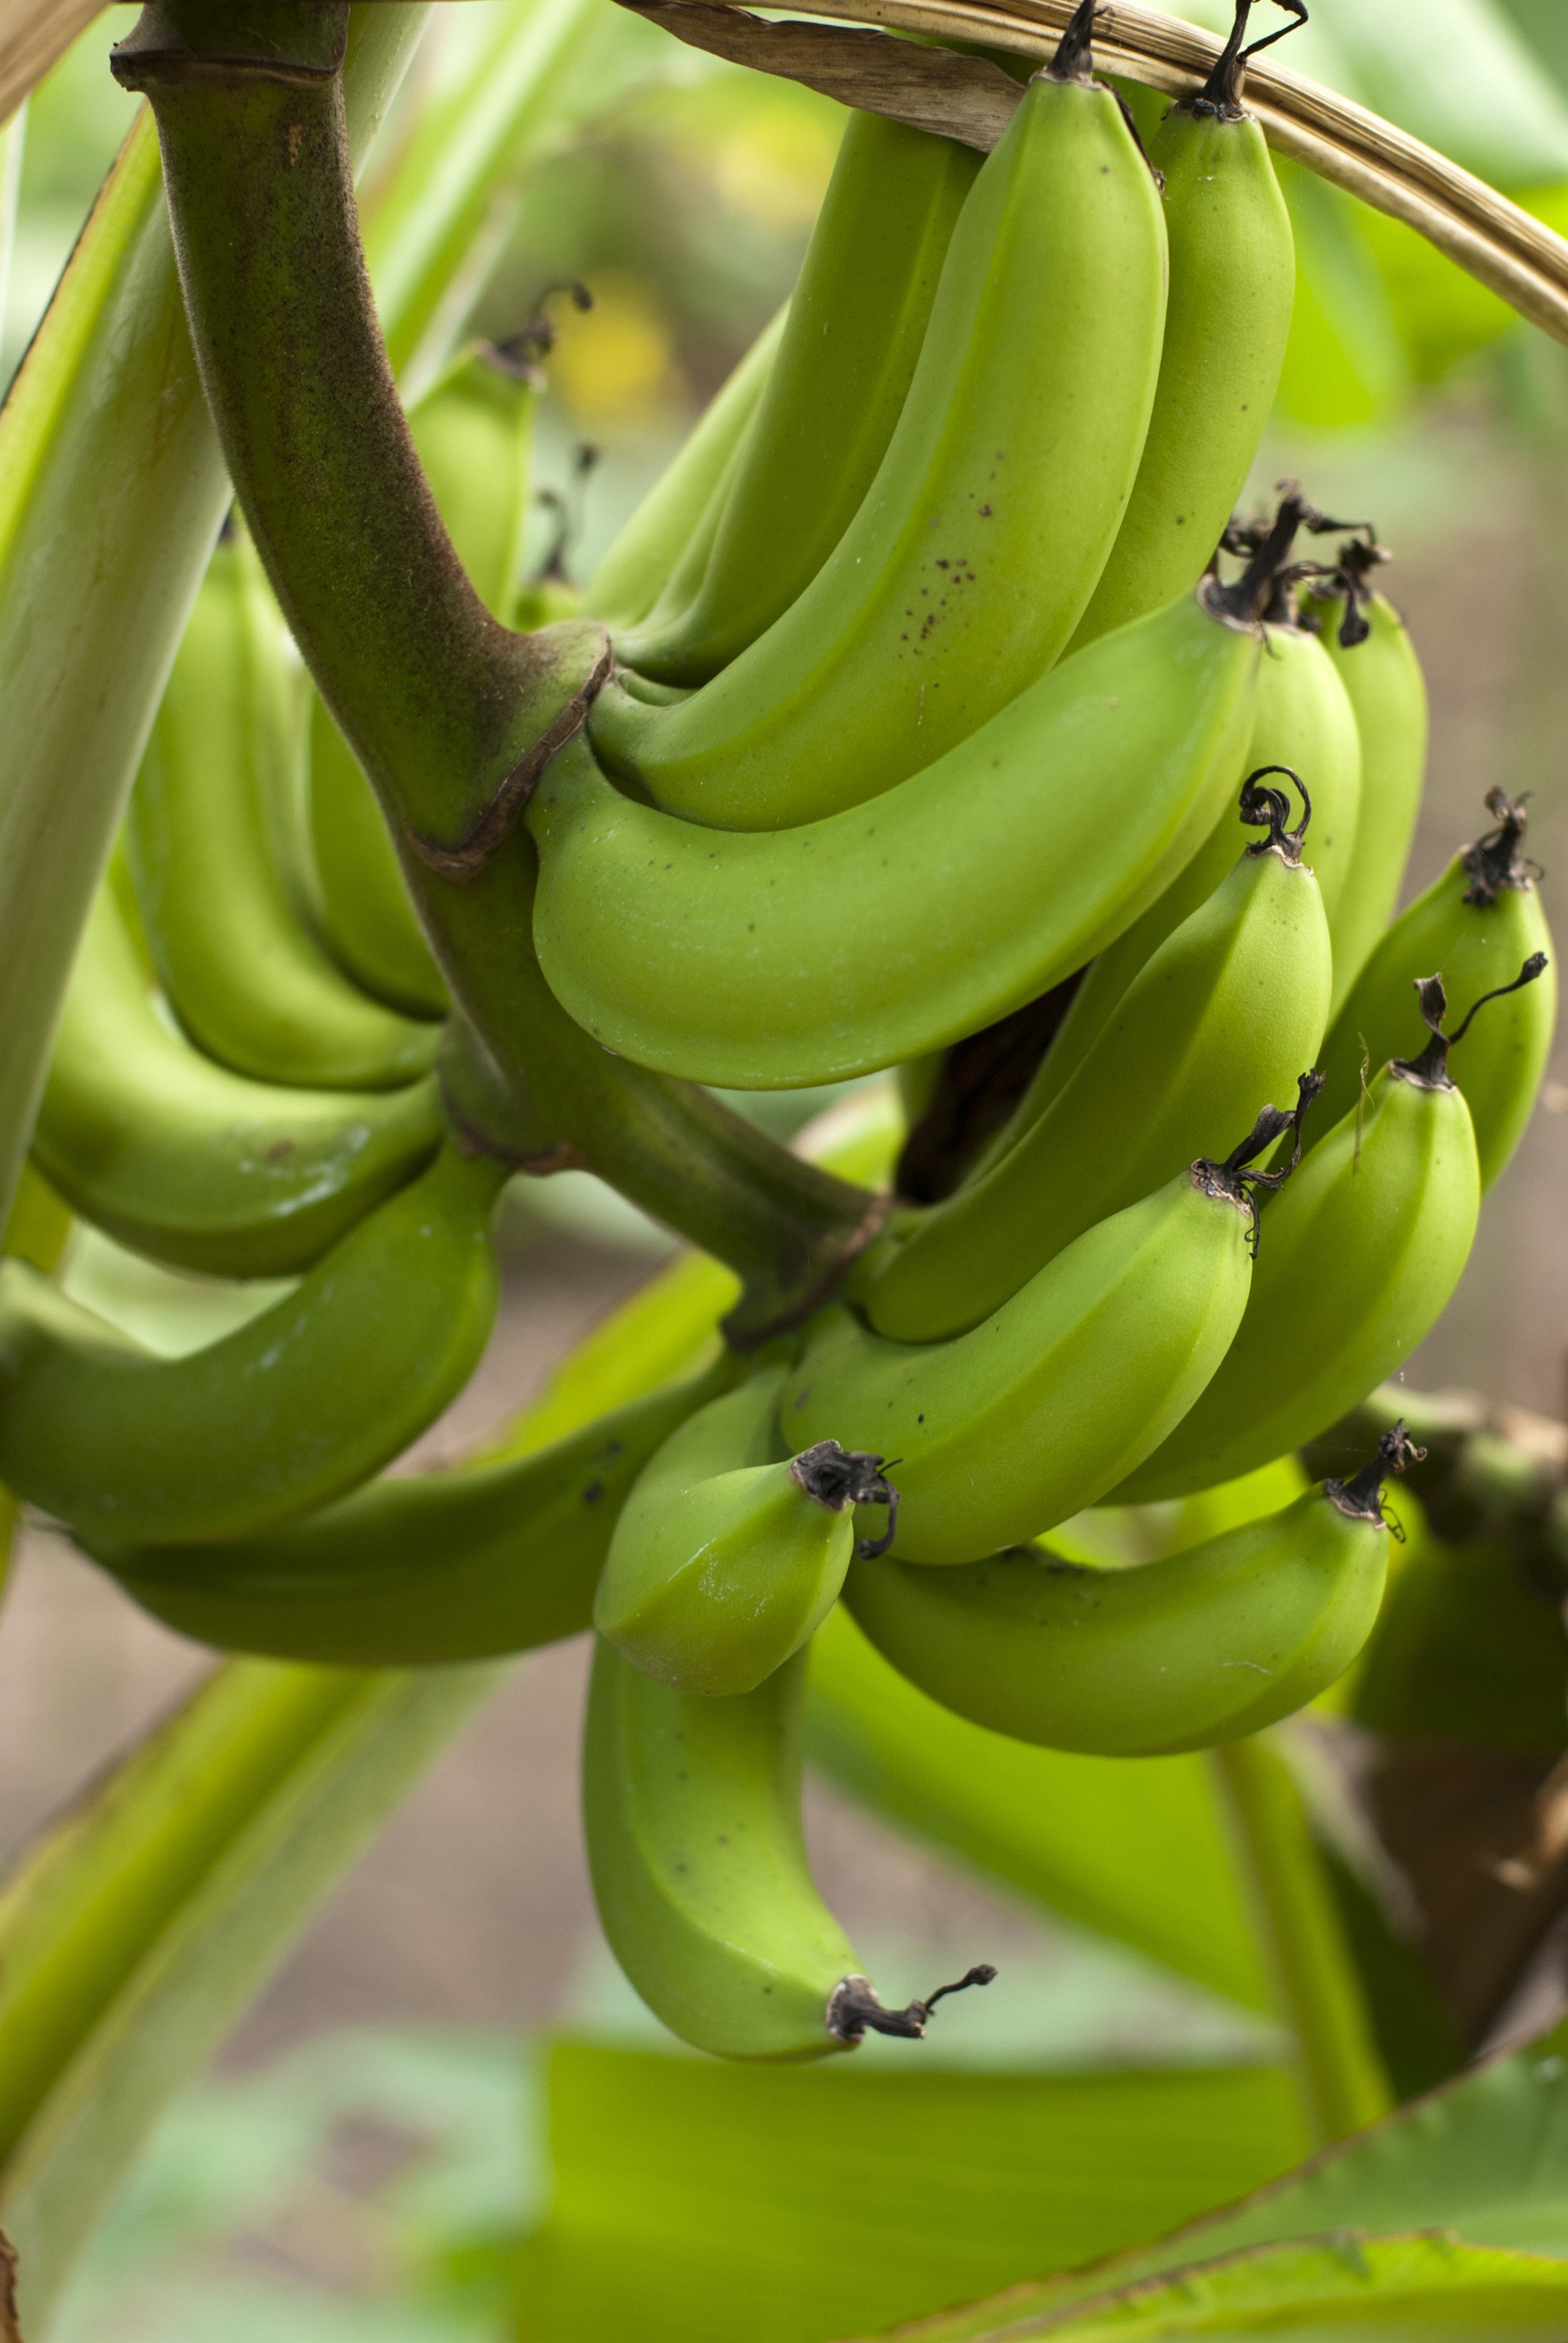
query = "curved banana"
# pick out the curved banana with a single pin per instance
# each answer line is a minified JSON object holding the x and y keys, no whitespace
{"x":633,"y":570}
{"x":856,"y":321}
{"x":1304,"y":719}
{"x":1213,"y":1643}
{"x":976,"y":549}
{"x":998,"y":1435}
{"x":248,"y":982}
{"x":1475,"y":925}
{"x":473,"y":429}
{"x":419,"y":1569}
{"x":293,"y":1408}
{"x":188,"y":1164}
{"x":725,"y":1560}
{"x":1368,"y":644}
{"x":771,"y":960}
{"x":1227,"y":1010}
{"x":1357,"y":1260}
{"x":1227,"y":321}
{"x":691,"y":1814}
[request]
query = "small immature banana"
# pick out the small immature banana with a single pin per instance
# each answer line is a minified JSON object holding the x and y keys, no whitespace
{"x":1357,"y":1261}
{"x":978,"y":546}
{"x":1475,"y":925}
{"x":473,"y":430}
{"x":188,"y":1164}
{"x":1227,"y":1010}
{"x":1368,"y":642}
{"x":1227,"y":320}
{"x":1002,"y":1433}
{"x":419,"y":1569}
{"x":303,"y":1403}
{"x":768,"y":961}
{"x":725,"y":1561}
{"x":248,"y":979}
{"x":856,"y":321}
{"x":1214,"y":1642}
{"x":692,"y":1813}
{"x":634,"y":570}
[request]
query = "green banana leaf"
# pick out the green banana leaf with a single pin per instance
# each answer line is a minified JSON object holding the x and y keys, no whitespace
{"x":1485,"y":2159}
{"x":699,"y":2203}
{"x":1320,"y":2288}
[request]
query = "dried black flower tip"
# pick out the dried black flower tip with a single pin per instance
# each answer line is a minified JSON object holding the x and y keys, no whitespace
{"x":841,"y":1477}
{"x":853,"y":2009}
{"x":1234,"y":1179}
{"x":1074,"y":58}
{"x":1266,"y":549}
{"x":1273,"y":806}
{"x":1221,"y":92}
{"x":1430,"y":1071}
{"x":1496,"y":863}
{"x":1361,"y":1497}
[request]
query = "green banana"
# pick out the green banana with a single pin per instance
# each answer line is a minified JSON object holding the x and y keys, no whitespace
{"x":1475,"y":925}
{"x":416,"y":1569}
{"x":473,"y":429}
{"x":692,"y":1816}
{"x":1357,"y":1261}
{"x":978,"y":545}
{"x":1229,"y":1008}
{"x":1214,"y":1642}
{"x":1304,"y":719}
{"x":724,"y":1560}
{"x":856,"y":321}
{"x":1227,"y":321}
{"x":771,"y":960}
{"x":249,"y":982}
{"x":1369,"y":646}
{"x":1000,"y":1433}
{"x":188,"y":1164}
{"x":300,"y":1404}
{"x":634,"y":570}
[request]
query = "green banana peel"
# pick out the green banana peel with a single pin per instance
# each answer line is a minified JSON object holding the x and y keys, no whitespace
{"x":111,"y":492}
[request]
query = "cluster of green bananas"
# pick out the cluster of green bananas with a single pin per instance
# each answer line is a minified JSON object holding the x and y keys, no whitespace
{"x":932,"y":696}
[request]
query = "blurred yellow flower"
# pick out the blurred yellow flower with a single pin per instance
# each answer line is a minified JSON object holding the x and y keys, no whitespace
{"x":615,"y":362}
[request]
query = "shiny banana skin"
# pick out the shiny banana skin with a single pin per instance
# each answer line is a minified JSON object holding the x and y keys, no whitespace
{"x":419,"y":1569}
{"x":1228,"y":1010}
{"x":1304,"y":719}
{"x":190,"y":1164}
{"x":856,"y":321}
{"x":1002,"y":1433}
{"x":692,"y":1816}
{"x":289,"y":1411}
{"x":635,"y":567}
{"x":473,"y":431}
{"x":1475,"y":925}
{"x":976,"y":549}
{"x":725,"y":1560}
{"x":1356,"y":1261}
{"x":1227,"y":321}
{"x":770,"y":960}
{"x":1212,"y":1643}
{"x":249,"y":982}
{"x":1387,"y":693}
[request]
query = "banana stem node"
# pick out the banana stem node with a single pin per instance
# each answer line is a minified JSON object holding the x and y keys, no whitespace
{"x":1361,"y":1497}
{"x":853,"y":2009}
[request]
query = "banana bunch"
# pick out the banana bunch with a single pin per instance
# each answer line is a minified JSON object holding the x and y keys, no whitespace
{"x":943,"y":696}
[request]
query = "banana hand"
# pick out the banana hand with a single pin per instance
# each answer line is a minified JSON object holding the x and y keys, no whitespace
{"x":302,"y":1404}
{"x":724,"y":1560}
{"x":1212,"y":1643}
{"x":1227,"y":1010}
{"x":183,"y":1161}
{"x":1002,"y":1433}
{"x":979,"y":544}
{"x":769,"y":961}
